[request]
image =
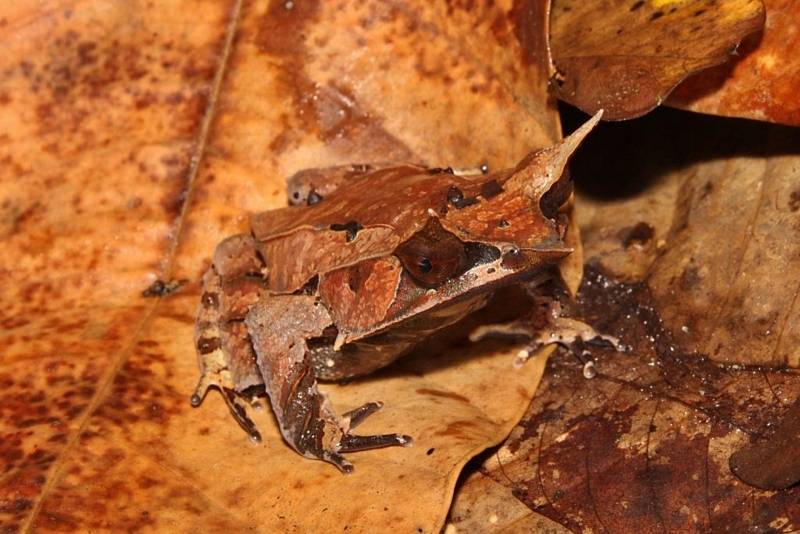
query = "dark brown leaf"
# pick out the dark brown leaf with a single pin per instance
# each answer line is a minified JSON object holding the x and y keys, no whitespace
{"x":772,"y":463}
{"x":643,"y":446}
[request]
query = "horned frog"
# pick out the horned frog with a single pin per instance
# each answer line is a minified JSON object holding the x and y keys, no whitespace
{"x":368,"y":262}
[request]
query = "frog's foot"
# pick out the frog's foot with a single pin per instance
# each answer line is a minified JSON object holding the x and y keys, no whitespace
{"x":354,"y":443}
{"x":309,"y":425}
{"x":550,"y":328}
{"x":306,"y":418}
{"x":235,"y":404}
{"x":238,"y":410}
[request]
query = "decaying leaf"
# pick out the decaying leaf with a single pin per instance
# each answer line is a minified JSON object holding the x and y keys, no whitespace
{"x":135,"y":136}
{"x":697,"y":215}
{"x":625,"y":56}
{"x":761,"y":84}
{"x":712,"y":223}
{"x":643,"y":446}
{"x":771,"y":463}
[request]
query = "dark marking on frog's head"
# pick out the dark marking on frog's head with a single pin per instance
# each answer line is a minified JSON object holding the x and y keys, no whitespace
{"x":490,"y":189}
{"x":210,"y":299}
{"x":455,"y":196}
{"x":206,"y":344}
{"x":350,"y":227}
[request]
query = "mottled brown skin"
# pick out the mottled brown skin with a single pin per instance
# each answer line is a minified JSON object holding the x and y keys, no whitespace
{"x":369,"y":261}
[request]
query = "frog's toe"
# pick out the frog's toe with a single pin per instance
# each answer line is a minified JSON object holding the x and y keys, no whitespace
{"x":353,"y":443}
{"x":239,"y":412}
{"x":339,"y":461}
{"x":358,"y":415}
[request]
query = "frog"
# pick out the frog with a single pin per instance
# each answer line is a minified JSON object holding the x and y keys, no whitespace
{"x":365,"y":263}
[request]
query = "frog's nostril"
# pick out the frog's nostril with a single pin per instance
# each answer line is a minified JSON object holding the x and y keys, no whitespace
{"x":425,"y":265}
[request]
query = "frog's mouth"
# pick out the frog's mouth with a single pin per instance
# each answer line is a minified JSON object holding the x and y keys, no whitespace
{"x":490,"y":268}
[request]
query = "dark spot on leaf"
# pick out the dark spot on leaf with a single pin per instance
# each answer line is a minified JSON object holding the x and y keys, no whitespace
{"x":690,"y":278}
{"x":430,"y":451}
{"x":159,"y":288}
{"x":443,"y":394}
{"x":640,"y":234}
{"x":794,"y":201}
{"x":637,"y":5}
{"x":657,"y":15}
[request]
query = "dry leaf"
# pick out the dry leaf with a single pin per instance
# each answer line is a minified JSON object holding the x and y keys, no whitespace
{"x":761,"y":84}
{"x":483,"y":505}
{"x":709,"y":221}
{"x":699,"y":215}
{"x":644,"y":446}
{"x":134,"y":137}
{"x":625,"y":56}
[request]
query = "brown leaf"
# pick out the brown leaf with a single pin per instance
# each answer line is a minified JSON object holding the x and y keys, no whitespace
{"x":709,"y":221}
{"x":697,"y":214}
{"x":763,"y":83}
{"x":644,"y":446}
{"x":135,"y":137}
{"x":483,"y":505}
{"x":772,"y":464}
{"x":625,"y":56}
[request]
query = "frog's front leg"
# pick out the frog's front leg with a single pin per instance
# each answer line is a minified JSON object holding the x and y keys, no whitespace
{"x":235,"y":280}
{"x":278,"y":328}
{"x":546,"y":325}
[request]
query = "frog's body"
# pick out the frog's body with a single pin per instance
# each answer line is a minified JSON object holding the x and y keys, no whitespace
{"x":349,"y":280}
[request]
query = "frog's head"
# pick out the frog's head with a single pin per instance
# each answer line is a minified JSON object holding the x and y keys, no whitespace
{"x":476,"y":234}
{"x":500,"y":225}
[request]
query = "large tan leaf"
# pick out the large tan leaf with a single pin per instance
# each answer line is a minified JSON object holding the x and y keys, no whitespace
{"x":625,"y":56}
{"x":137,"y":135}
{"x":712,"y":228}
{"x":763,"y":83}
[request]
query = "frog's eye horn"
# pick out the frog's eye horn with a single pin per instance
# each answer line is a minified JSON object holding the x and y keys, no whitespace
{"x":432,"y":256}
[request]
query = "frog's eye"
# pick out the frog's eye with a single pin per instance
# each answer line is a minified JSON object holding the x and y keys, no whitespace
{"x":432,"y":256}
